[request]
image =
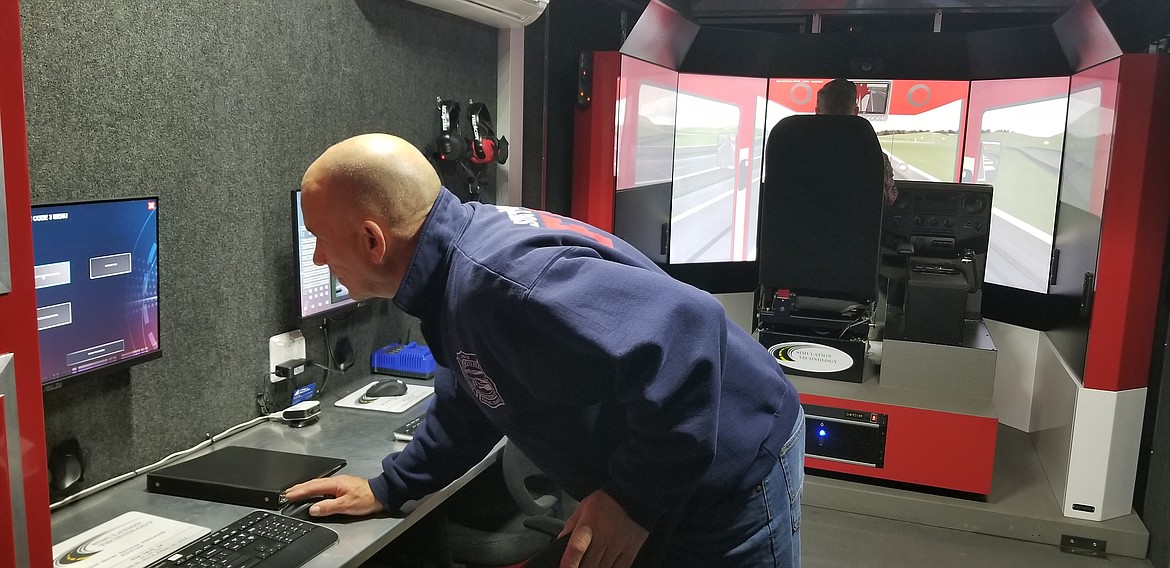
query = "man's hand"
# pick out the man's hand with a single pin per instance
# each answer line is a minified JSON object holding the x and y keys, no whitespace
{"x":350,"y":496}
{"x":603,"y":535}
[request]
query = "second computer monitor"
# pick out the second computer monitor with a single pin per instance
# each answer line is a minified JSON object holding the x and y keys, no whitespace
{"x":318,"y":290}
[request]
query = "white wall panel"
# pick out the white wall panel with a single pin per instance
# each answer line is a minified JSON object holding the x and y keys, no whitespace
{"x":1102,"y":468}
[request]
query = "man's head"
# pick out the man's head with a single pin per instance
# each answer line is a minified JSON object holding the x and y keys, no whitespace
{"x":838,"y":96}
{"x":365,"y":199}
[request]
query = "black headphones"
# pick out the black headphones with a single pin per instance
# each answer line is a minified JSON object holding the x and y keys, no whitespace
{"x":450,"y":146}
{"x":485,"y":147}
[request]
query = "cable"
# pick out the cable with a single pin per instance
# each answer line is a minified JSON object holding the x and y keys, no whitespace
{"x":328,"y":348}
{"x":329,"y":365}
{"x":863,"y":319}
{"x":181,"y":453}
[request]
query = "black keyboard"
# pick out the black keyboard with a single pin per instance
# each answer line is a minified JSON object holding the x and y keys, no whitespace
{"x":405,"y":433}
{"x":261,"y":539}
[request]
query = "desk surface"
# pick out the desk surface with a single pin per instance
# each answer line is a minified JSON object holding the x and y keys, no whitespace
{"x":362,"y":437}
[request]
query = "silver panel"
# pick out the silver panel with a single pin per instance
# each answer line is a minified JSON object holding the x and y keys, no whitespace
{"x":1084,"y":37}
{"x":15,"y":467}
{"x":966,"y":370}
{"x":5,"y":264}
{"x":661,"y":36}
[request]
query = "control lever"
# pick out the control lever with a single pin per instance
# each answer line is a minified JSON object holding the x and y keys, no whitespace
{"x":967,"y":267}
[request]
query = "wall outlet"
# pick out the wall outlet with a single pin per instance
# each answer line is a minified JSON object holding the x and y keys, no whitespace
{"x":283,"y":347}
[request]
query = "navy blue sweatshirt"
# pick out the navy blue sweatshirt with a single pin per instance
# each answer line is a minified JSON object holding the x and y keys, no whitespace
{"x":605,"y":371}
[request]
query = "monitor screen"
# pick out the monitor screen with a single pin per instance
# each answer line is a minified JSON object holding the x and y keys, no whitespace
{"x":96,"y":273}
{"x":318,"y":291}
{"x":873,"y":98}
{"x":1015,"y":142}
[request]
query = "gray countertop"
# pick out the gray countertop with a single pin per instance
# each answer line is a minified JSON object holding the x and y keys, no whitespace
{"x":361,"y":437}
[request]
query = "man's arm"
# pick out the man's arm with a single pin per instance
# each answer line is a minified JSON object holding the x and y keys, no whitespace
{"x":453,"y":437}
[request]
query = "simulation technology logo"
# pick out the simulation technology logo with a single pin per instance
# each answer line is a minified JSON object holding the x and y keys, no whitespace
{"x":810,"y":357}
{"x":81,"y":552}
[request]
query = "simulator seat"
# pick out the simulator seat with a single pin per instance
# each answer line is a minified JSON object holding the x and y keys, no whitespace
{"x":506,"y":515}
{"x":820,"y":233}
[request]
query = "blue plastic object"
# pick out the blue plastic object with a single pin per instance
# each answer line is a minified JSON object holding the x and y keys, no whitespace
{"x":411,"y":360}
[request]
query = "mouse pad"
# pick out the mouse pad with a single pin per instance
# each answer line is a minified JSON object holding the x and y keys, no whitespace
{"x":414,"y":395}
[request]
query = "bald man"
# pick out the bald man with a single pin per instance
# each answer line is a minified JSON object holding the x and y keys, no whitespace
{"x":839,"y":96}
{"x":629,"y":388}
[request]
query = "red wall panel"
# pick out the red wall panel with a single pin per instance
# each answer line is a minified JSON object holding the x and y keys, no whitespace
{"x":594,"y":145}
{"x":1133,"y":230}
{"x":18,"y":334}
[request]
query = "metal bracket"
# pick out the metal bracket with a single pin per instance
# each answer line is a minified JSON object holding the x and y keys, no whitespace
{"x":1082,"y":545}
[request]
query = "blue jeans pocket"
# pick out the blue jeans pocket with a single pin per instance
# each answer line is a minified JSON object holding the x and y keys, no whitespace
{"x":792,"y":463}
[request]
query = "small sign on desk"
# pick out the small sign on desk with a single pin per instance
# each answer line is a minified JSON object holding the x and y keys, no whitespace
{"x":129,"y":541}
{"x":396,"y":404}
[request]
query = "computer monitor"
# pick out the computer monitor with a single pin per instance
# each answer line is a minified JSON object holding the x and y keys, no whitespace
{"x":96,"y":272}
{"x":873,"y":98}
{"x":319,"y":293}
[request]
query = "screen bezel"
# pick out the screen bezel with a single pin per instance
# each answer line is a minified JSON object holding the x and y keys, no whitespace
{"x":334,"y":309}
{"x":122,"y":364}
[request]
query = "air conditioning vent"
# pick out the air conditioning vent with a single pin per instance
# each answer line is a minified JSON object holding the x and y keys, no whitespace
{"x":496,"y":13}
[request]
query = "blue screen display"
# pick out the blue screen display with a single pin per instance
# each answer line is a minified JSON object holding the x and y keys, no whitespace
{"x":96,"y":271}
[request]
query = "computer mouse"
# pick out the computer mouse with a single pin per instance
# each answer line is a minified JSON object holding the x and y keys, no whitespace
{"x":389,"y":387}
{"x":300,"y":509}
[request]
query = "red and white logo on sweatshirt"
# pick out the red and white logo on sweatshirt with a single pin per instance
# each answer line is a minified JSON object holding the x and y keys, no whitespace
{"x":522,"y":216}
{"x":481,"y":384}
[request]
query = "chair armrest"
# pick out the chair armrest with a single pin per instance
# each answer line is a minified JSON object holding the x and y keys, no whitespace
{"x":548,"y":525}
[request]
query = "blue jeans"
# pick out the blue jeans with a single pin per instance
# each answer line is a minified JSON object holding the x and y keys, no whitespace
{"x":756,"y":529}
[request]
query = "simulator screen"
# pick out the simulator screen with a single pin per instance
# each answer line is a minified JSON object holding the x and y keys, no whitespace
{"x":718,"y":153}
{"x":1014,"y":142}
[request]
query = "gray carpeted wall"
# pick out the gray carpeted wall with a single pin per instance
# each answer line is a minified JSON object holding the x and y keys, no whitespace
{"x":217,"y":108}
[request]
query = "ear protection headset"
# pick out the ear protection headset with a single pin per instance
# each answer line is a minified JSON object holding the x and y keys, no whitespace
{"x":449,"y":145}
{"x":485,"y":147}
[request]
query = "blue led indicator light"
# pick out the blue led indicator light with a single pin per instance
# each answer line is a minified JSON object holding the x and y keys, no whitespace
{"x":822,"y":433}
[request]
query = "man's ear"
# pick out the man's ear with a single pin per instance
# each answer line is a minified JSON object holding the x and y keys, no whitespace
{"x":375,"y":241}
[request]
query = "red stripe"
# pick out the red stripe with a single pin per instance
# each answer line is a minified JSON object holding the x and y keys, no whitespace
{"x":18,"y":335}
{"x":593,"y":144}
{"x":1133,"y":230}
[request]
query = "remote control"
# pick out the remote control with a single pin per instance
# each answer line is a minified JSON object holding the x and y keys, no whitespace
{"x":405,"y":433}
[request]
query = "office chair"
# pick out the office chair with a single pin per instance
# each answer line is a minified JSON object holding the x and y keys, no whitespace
{"x":506,"y":515}
{"x":820,"y":226}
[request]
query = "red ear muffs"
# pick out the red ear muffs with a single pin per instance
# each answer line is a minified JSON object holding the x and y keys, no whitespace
{"x":483,"y":151}
{"x":449,"y":145}
{"x":485,"y":148}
